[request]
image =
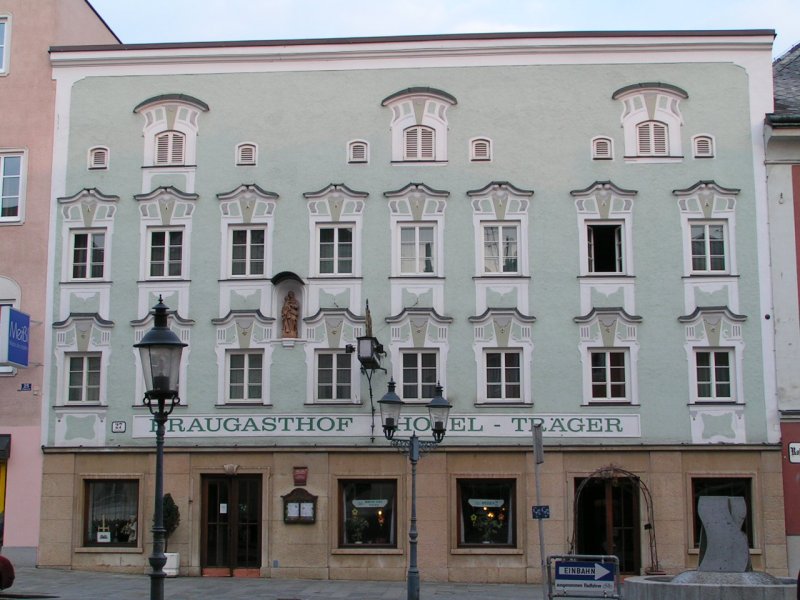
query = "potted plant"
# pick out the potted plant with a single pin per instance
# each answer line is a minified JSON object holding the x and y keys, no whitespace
{"x":488,"y":524}
{"x":356,"y":526}
{"x":172,"y":518}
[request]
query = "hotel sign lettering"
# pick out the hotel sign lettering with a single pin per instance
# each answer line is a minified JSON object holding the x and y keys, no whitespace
{"x":349,"y":425}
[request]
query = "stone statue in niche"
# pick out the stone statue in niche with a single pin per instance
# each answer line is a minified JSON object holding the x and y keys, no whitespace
{"x":289,"y":314}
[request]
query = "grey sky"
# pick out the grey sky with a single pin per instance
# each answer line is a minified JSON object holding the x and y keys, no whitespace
{"x":222,"y":20}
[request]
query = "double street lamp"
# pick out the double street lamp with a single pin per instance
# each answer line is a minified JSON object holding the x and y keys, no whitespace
{"x":438,"y":411}
{"x":160,"y":351}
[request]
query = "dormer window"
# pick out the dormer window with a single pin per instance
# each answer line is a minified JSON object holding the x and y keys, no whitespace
{"x":419,"y":124}
{"x":651,"y":121}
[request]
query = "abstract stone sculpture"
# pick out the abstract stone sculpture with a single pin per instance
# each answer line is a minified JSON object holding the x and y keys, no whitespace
{"x":723,"y":546}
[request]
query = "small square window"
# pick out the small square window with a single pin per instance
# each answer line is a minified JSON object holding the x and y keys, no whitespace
{"x":358,"y":152}
{"x":480,"y":150}
{"x":367,"y":514}
{"x":246,"y":154}
{"x":703,"y":146}
{"x":111,"y":513}
{"x":602,"y":149}
{"x":98,"y":158}
{"x":486,"y":515}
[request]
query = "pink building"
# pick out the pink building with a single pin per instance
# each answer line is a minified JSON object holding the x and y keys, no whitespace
{"x":27,"y":98}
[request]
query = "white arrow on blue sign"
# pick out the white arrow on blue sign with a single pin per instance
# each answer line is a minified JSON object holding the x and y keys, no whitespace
{"x":585,"y":575}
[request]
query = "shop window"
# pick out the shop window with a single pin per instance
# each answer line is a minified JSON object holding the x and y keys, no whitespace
{"x":367,"y":515}
{"x":486,"y":512}
{"x":722,"y":486}
{"x":112,"y":510}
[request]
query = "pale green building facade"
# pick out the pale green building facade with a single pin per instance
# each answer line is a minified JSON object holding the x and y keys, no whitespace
{"x":565,"y":228}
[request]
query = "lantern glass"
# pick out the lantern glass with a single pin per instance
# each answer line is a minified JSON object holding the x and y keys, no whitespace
{"x":161,"y":366}
{"x":439,"y":411}
{"x":390,"y":406}
{"x":366,"y":349}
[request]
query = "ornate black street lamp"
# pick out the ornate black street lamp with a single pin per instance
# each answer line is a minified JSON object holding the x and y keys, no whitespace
{"x":160,"y":351}
{"x":438,"y":411}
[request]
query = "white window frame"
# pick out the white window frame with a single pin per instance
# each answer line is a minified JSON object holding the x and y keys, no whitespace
{"x":331,"y":331}
{"x":21,"y":187}
{"x":598,"y":152}
{"x":335,"y":354}
{"x":97,"y":333}
{"x":85,"y":357}
{"x":417,"y":228}
{"x":713,"y":382}
{"x":480,"y":149}
{"x":98,"y":158}
{"x":358,"y":152}
{"x":335,"y":259}
{"x":248,"y":259}
{"x":500,"y":225}
{"x":89,"y":250}
{"x":608,"y":383}
{"x":242,"y":158}
{"x":5,"y":45}
{"x":707,"y":256}
{"x":504,"y":384}
{"x":419,"y":369}
{"x":165,"y":262}
{"x":698,"y":141}
{"x":419,"y":143}
{"x":247,"y":355}
{"x":419,"y":108}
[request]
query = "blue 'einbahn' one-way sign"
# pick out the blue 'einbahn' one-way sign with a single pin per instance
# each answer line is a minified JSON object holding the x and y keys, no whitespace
{"x":585,"y":577}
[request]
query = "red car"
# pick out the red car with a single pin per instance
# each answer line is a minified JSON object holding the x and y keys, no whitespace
{"x":6,"y":573}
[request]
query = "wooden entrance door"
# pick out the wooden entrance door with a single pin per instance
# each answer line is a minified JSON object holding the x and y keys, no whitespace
{"x":231,"y":543}
{"x":608,"y":520}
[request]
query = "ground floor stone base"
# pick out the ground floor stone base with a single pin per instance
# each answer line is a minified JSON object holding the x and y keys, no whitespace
{"x":343,"y":513}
